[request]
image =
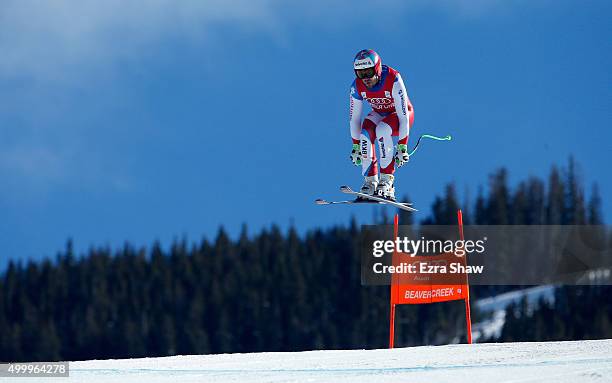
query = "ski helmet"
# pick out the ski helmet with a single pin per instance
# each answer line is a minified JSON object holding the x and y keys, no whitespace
{"x":366,"y":59}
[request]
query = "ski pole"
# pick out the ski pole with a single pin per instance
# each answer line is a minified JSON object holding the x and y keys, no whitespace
{"x":445,"y":138}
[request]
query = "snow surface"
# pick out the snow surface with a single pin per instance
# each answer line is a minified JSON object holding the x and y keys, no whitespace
{"x":575,"y":362}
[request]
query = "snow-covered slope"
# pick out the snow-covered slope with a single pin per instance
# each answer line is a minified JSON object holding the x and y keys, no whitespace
{"x":533,"y":294}
{"x":496,"y":308}
{"x":575,"y":362}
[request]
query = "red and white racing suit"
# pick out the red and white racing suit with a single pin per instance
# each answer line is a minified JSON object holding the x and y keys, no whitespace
{"x":392,"y":115}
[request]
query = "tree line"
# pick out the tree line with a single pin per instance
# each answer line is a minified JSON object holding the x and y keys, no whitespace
{"x":277,"y":290}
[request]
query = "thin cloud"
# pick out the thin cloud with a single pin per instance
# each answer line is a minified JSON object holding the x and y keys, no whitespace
{"x":51,"y":39}
{"x":32,"y":163}
{"x":51,"y":50}
{"x":41,"y":39}
{"x":29,"y":170}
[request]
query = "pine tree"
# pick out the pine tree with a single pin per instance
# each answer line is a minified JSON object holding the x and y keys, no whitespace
{"x":574,"y":209}
{"x":555,"y":205}
{"x":498,"y":205}
{"x":595,"y":216}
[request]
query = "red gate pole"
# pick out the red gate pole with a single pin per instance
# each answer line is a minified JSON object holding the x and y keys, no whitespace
{"x":468,"y":317}
{"x":392,"y":325}
{"x":391,"y":303}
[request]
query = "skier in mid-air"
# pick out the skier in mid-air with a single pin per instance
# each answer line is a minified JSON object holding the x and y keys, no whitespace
{"x":392,"y":115}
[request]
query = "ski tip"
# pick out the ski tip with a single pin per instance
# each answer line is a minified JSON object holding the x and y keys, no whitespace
{"x":346,"y":189}
{"x":320,"y":201}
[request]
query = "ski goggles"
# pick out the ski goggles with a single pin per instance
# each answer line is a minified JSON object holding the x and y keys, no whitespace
{"x":365,"y":73}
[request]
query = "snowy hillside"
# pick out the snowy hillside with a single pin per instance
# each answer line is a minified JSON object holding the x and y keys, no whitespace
{"x":533,"y":294}
{"x":575,"y":362}
{"x":496,"y":308}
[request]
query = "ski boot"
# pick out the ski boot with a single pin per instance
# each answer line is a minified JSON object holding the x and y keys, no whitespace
{"x":369,"y":187}
{"x":385,"y":187}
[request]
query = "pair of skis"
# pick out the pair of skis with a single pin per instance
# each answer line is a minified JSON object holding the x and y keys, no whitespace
{"x":365,"y":198}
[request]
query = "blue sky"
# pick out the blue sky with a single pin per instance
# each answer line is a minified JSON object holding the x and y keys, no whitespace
{"x":137,"y":121}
